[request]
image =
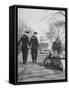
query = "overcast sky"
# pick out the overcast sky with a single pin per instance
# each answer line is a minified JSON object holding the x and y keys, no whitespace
{"x":37,"y":19}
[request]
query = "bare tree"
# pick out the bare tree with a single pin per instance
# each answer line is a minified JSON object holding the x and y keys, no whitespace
{"x":51,"y":34}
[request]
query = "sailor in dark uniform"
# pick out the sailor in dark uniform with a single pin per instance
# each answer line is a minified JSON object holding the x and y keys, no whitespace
{"x":25,"y":44}
{"x":34,"y":47}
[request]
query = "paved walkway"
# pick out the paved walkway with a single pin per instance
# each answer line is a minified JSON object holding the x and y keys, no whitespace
{"x":35,"y":72}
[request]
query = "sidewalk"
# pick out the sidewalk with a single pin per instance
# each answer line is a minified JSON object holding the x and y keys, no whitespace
{"x":35,"y":72}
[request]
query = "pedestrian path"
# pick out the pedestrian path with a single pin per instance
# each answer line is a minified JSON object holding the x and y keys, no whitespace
{"x":35,"y":72}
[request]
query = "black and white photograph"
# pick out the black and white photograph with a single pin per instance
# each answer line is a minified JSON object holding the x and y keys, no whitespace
{"x":41,"y":44}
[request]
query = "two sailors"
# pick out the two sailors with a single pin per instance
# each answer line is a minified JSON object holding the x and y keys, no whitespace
{"x":33,"y":43}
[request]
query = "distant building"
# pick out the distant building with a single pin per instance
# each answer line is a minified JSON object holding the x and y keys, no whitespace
{"x":44,"y":44}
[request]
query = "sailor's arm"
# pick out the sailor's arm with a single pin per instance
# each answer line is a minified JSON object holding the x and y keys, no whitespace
{"x":19,"y":41}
